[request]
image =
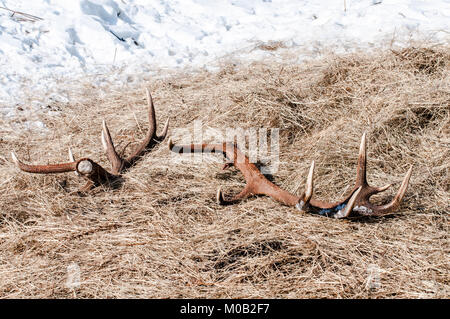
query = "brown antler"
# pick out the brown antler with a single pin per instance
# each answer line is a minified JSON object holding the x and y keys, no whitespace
{"x":357,"y":202}
{"x":119,"y":164}
{"x":93,"y":172}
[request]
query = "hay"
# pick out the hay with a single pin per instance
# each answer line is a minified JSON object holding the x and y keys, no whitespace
{"x":161,"y":235}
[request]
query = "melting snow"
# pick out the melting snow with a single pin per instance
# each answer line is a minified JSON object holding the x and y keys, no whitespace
{"x":60,"y":39}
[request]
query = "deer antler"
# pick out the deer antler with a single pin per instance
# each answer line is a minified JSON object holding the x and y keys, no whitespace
{"x":356,"y":203}
{"x":95,"y":173}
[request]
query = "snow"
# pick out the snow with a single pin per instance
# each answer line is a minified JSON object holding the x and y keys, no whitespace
{"x":69,"y":39}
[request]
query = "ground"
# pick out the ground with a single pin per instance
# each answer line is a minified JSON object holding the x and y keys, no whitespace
{"x":161,"y":233}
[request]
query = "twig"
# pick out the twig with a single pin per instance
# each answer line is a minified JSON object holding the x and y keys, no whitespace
{"x":121,"y":39}
{"x":29,"y":16}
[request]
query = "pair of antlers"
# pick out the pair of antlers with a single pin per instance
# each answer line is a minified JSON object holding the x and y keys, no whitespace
{"x":356,"y":203}
{"x":94,"y":173}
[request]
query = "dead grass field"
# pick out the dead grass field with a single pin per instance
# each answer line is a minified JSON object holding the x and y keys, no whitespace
{"x":161,"y":235}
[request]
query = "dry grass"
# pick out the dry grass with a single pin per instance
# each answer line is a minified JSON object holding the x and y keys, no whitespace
{"x":161,"y":235}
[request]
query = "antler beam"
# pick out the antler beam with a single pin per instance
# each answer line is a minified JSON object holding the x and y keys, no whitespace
{"x":356,"y":203}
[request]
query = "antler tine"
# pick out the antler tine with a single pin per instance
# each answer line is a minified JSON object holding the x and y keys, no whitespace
{"x":151,"y":114}
{"x":349,"y":207}
{"x":396,"y":201}
{"x":152,"y":120}
{"x":14,"y":158}
{"x":362,"y":162}
{"x":310,"y":183}
{"x":361,"y":170}
{"x":151,"y":138}
{"x":164,"y":131}
{"x":306,"y":197}
{"x":108,"y":145}
{"x":44,"y":169}
{"x":376,"y":190}
{"x":219,"y":196}
{"x":170,"y":143}
{"x":246,"y":192}
{"x":72,"y":159}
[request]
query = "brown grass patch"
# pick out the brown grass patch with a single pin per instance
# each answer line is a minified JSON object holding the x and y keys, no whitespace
{"x":161,"y":235}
